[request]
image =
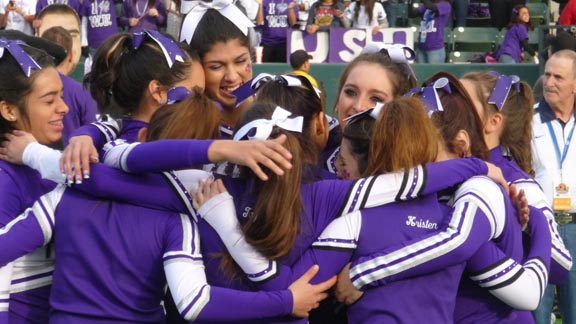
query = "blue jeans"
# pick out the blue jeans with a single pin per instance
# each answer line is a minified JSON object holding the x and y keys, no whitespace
{"x":566,"y":291}
{"x":506,"y":59}
{"x":391,"y":8}
{"x":433,"y":56}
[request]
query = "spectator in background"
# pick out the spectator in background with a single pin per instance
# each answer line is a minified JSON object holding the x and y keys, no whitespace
{"x":173,"y":18}
{"x":562,"y":4}
{"x":139,"y":15}
{"x":326,"y":14}
{"x":98,"y":21}
{"x":435,"y":16}
{"x":553,"y":161}
{"x":17,"y":15}
{"x":516,"y":39}
{"x":64,"y":16}
{"x":500,"y":11}
{"x":367,"y":14}
{"x":460,"y":12}
{"x":300,"y":63}
{"x":276,"y":17}
{"x":82,"y":108}
{"x":568,"y":15}
{"x":391,"y":8}
{"x":303,"y":7}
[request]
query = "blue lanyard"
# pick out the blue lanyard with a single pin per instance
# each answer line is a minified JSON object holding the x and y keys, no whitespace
{"x":561,"y":157}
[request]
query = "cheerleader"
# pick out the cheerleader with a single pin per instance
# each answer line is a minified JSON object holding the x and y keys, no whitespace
{"x":30,"y":100}
{"x":505,"y":105}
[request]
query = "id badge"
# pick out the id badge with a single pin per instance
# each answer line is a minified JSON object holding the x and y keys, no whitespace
{"x":562,"y":199}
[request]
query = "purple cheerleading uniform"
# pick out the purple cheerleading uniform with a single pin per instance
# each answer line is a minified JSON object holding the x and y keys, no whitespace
{"x":101,"y":16}
{"x":31,"y":275}
{"x":83,"y":108}
{"x":382,"y":228}
{"x":561,"y":260}
{"x":114,"y":261}
{"x":431,"y":35}
{"x":489,"y":223}
{"x":324,"y":200}
{"x":511,"y":45}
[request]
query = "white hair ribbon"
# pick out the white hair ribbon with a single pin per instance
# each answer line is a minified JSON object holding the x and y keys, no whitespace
{"x":399,"y":53}
{"x":373,"y":112}
{"x":225,"y":7}
{"x":286,"y":79}
{"x":262,"y":128}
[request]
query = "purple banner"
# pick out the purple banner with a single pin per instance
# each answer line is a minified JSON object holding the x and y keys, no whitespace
{"x":342,"y":45}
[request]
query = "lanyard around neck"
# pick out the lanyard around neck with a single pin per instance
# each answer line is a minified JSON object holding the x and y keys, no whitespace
{"x":561,"y":155}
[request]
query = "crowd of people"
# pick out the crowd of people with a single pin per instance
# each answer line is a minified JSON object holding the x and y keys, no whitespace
{"x":204,"y":193}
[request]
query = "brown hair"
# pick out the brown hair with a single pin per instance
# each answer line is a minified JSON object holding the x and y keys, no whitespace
{"x":300,"y":101}
{"x":399,"y":74}
{"x":517,"y":112}
{"x":271,"y":233}
{"x":458,"y":114}
{"x":60,"y":36}
{"x":358,"y":132}
{"x":395,"y":145}
{"x":196,"y":117}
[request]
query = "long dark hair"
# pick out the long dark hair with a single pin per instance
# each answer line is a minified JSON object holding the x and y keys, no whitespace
{"x":120,"y":74}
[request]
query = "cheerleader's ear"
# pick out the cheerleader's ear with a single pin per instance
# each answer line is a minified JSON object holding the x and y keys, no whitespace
{"x":462,"y":144}
{"x":142,"y":133}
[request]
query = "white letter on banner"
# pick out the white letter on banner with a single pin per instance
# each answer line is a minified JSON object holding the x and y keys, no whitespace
{"x":319,"y":54}
{"x":349,"y":43}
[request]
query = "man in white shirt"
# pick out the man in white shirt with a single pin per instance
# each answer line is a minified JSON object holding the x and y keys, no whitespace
{"x":554,"y":162}
{"x":18,"y":15}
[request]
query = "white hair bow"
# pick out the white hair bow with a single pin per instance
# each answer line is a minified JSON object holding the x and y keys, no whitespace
{"x":374,"y":112}
{"x":225,"y":7}
{"x":262,"y":128}
{"x":399,"y":53}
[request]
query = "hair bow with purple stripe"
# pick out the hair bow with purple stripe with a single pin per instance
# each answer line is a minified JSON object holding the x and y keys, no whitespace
{"x":502,"y":88}
{"x":430,"y":97}
{"x":172,"y":52}
{"x":26,"y":62}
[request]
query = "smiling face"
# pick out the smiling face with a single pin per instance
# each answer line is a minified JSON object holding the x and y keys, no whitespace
{"x":524,"y":15}
{"x":227,"y":66}
{"x":45,"y":108}
{"x":360,"y":92}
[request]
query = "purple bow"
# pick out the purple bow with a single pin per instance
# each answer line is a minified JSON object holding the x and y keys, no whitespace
{"x":178,"y":94}
{"x":502,"y":88}
{"x":172,"y":52}
{"x":26,"y":62}
{"x":430,"y":97}
{"x":244,"y":92}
